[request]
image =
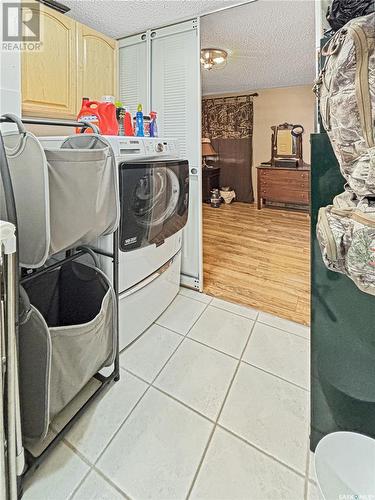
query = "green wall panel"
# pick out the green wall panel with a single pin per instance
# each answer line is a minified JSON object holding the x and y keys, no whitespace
{"x":342,"y":325}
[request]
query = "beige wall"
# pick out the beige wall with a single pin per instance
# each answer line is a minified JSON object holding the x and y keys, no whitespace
{"x":275,"y":106}
{"x":278,"y":105}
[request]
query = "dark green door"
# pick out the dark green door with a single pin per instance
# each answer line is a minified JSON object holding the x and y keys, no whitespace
{"x":342,"y":325}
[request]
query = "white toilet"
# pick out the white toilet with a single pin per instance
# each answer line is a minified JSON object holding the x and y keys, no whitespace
{"x":345,"y":466}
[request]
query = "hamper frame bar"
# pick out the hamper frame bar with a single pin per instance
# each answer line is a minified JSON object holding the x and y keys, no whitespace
{"x":34,"y":462}
{"x":53,"y":123}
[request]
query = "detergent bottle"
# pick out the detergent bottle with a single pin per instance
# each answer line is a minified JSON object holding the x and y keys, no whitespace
{"x":101,"y":114}
{"x":139,"y":122}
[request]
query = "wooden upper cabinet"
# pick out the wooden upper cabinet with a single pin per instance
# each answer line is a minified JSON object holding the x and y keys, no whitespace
{"x":75,"y":61}
{"x":49,"y":76}
{"x":97,"y":55}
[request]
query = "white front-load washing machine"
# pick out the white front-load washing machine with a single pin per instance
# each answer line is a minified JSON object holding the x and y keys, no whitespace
{"x":154,"y":201}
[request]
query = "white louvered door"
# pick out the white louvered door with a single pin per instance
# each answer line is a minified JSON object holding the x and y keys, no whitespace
{"x":134,"y":72}
{"x":160,"y":69}
{"x":176,"y":96}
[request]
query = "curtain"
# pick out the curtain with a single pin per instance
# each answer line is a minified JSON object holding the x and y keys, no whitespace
{"x":228,"y":122}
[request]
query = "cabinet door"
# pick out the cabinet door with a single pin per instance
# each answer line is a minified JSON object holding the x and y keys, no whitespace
{"x":134,"y":72}
{"x":161,"y":70}
{"x":97,"y":56}
{"x":176,"y":96}
{"x":49,"y":76}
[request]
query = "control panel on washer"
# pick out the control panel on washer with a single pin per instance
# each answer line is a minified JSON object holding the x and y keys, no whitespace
{"x":160,"y":146}
{"x":143,"y":146}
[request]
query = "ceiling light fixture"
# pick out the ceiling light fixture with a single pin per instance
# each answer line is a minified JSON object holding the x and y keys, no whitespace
{"x":213,"y":58}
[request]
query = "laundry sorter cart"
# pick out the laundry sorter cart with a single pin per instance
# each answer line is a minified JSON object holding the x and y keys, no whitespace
{"x":65,"y":199}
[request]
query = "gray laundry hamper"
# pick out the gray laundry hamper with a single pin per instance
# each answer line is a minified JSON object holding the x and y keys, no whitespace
{"x":67,"y":334}
{"x":65,"y":197}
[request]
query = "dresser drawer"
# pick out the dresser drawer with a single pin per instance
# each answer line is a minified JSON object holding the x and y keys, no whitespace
{"x":281,"y":173}
{"x":285,"y":195}
{"x":299,"y":185}
{"x":289,"y":177}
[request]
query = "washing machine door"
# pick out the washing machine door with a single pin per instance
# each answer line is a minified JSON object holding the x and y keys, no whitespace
{"x":154,"y":198}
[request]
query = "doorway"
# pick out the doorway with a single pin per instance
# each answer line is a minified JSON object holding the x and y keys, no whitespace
{"x":256,"y":248}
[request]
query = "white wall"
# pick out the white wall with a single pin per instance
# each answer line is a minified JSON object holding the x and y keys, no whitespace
{"x":10,"y":79}
{"x":10,"y":97}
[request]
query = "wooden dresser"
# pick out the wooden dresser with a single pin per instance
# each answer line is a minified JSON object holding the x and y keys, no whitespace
{"x":289,"y":187}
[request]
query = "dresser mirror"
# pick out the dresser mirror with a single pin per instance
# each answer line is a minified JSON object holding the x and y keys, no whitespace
{"x":286,"y":145}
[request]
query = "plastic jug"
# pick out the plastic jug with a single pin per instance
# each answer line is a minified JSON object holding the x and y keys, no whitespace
{"x":101,"y":114}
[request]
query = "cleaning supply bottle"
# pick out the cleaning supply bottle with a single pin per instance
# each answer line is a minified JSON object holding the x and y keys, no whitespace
{"x":153,"y":125}
{"x":128,"y":123}
{"x":101,"y":114}
{"x":120,"y":115}
{"x":86,"y":116}
{"x":139,"y":122}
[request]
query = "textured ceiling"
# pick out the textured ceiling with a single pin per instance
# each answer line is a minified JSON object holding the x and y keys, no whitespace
{"x":118,"y":18}
{"x":271,"y":43}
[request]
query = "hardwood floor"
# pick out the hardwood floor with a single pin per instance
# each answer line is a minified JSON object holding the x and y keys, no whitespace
{"x":260,"y":258}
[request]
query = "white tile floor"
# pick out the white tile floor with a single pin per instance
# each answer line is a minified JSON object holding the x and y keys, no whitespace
{"x":212,"y":404}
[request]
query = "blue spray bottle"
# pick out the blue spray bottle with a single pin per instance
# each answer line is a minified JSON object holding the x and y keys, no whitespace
{"x":139,"y":122}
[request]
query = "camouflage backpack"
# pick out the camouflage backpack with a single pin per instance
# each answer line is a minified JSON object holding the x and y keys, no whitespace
{"x":346,"y":91}
{"x":346,"y":234}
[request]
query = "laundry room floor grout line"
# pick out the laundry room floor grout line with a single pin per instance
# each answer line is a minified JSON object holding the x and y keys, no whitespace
{"x":236,"y":313}
{"x":276,"y":376}
{"x":195,"y":477}
{"x":198,"y":293}
{"x":85,"y":476}
{"x":261,"y":450}
{"x":109,"y":481}
{"x":283,"y":330}
{"x":307,"y":471}
{"x":179,"y":401}
{"x":210,"y":346}
{"x":161,"y":326}
{"x":133,"y":374}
